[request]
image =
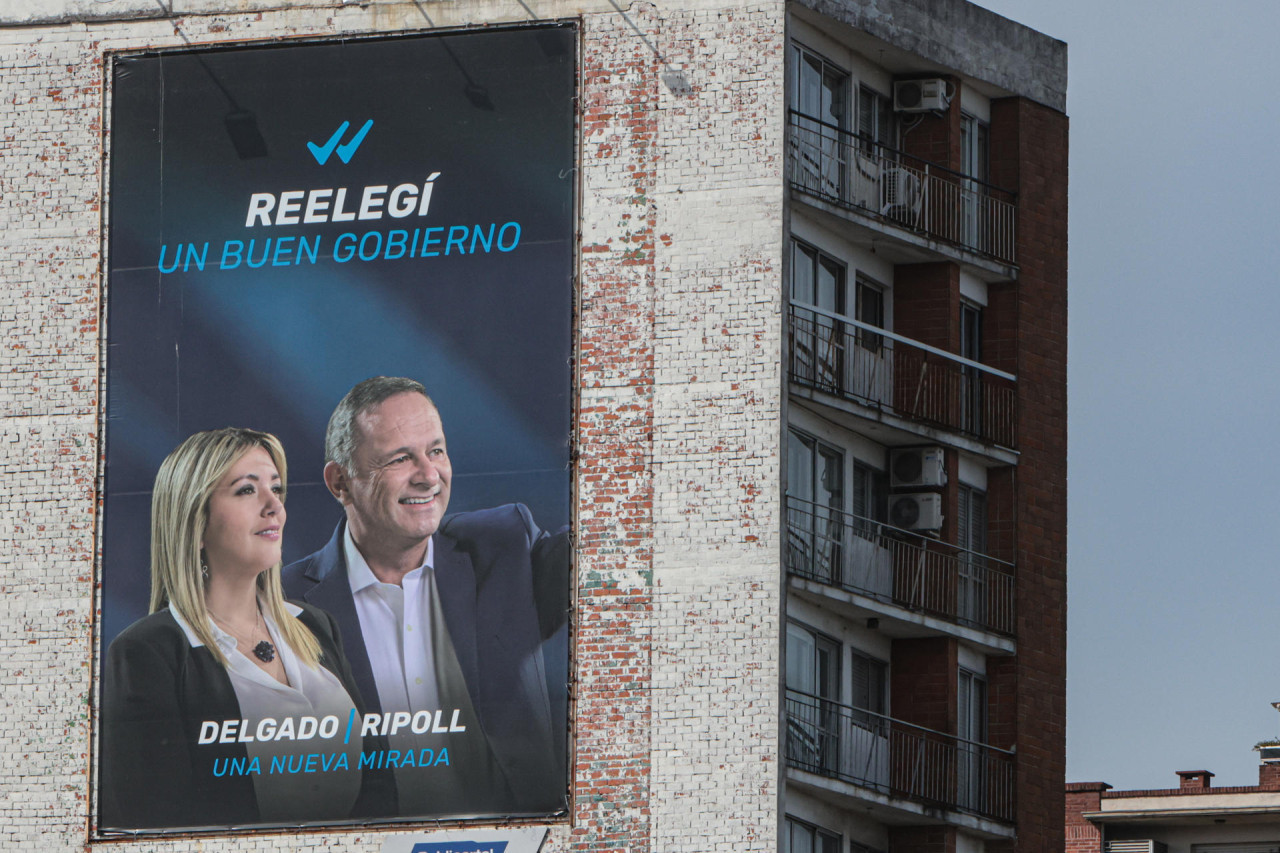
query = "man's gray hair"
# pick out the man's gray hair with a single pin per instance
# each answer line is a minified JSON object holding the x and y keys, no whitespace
{"x":340,"y":438}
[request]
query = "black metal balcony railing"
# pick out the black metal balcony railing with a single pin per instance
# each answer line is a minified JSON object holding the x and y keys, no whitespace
{"x":902,"y":568}
{"x":875,"y":367}
{"x":897,"y":758}
{"x":856,"y":173}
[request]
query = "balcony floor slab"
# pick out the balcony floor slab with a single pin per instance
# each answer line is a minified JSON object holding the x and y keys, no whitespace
{"x":898,"y":244}
{"x":897,"y":622}
{"x":893,"y":811}
{"x":890,"y":429}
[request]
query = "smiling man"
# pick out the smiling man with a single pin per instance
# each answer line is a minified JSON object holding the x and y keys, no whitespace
{"x":441,"y":614}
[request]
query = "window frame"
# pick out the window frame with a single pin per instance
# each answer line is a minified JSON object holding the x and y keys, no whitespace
{"x":813,"y":740}
{"x":882,"y":138}
{"x":815,"y":532}
{"x":840,"y":106}
{"x":819,"y":349}
{"x":831,"y":842}
{"x":865,"y":284}
{"x":971,"y":378}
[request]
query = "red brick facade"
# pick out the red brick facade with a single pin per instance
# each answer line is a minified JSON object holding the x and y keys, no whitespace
{"x":1024,"y":332}
{"x":1081,"y":835}
{"x":1029,"y":154}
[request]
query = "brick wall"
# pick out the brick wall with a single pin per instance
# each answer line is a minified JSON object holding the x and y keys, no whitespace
{"x":922,"y":839}
{"x":1029,"y":154}
{"x":1269,"y":776}
{"x":677,"y":621}
{"x":717,"y":431}
{"x":615,"y":465}
{"x":1081,"y":835}
{"x":49,"y":241}
{"x":922,"y":682}
{"x":926,"y":303}
{"x":935,"y":138}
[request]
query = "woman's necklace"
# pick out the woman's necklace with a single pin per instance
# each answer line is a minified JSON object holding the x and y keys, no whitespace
{"x":263,"y":651}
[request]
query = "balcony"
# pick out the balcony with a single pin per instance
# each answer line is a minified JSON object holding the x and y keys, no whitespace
{"x":892,"y":186}
{"x":874,"y":367}
{"x":898,"y":567}
{"x":898,"y":759}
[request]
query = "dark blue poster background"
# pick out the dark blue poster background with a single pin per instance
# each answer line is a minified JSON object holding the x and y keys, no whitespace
{"x":263,"y":336}
{"x":414,"y":217}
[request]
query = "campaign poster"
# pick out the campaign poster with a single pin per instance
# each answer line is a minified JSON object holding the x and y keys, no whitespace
{"x":286,"y":221}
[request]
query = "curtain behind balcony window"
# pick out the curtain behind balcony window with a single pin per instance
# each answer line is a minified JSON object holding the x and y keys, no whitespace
{"x":821,"y":97}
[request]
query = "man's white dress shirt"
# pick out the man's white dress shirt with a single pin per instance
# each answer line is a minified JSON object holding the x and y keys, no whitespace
{"x":396,"y":624}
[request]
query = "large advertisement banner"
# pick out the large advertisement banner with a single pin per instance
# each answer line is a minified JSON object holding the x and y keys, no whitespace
{"x":335,"y":555}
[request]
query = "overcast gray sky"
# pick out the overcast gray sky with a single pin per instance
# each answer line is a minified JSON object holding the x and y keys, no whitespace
{"x":1174,"y":597}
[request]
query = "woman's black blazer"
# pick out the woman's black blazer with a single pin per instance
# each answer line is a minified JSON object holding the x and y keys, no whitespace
{"x":156,"y":691}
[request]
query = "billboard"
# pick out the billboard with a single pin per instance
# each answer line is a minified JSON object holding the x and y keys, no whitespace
{"x":285,"y":222}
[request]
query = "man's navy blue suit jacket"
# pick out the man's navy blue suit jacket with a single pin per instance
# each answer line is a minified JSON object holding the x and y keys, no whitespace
{"x":503,"y":588}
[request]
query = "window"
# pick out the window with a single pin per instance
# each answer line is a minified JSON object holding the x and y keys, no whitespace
{"x":813,"y":672}
{"x":869,"y":309}
{"x":876,"y":126}
{"x":971,"y":331}
{"x":817,"y":278}
{"x":868,"y":554}
{"x":975,"y":162}
{"x":868,"y":680}
{"x":972,"y":731}
{"x":815,"y":504}
{"x":817,"y":339}
{"x":869,"y":370}
{"x":821,"y":89}
{"x":972,"y":519}
{"x":802,"y":837}
{"x":971,"y":534}
{"x":972,"y":716}
{"x":865,"y":744}
{"x":971,"y":377}
{"x":975,"y":158}
{"x":813,"y":662}
{"x":869,"y":499}
{"x":820,"y":97}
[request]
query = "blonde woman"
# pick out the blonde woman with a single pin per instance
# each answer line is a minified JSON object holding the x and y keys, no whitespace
{"x":228,"y":705}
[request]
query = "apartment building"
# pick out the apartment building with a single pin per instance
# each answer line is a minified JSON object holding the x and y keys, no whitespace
{"x":1194,"y":817}
{"x":810,"y":442}
{"x":926,"y":432}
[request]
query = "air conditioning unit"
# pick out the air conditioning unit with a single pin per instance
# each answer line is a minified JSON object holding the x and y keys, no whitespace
{"x":1146,"y":845}
{"x":917,"y":466}
{"x":920,"y":96}
{"x":919,"y":511}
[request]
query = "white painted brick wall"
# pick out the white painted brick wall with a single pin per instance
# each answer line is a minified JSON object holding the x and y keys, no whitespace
{"x":679,"y":592}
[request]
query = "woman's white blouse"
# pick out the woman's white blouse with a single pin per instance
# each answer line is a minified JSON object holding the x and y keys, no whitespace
{"x":296,"y":779}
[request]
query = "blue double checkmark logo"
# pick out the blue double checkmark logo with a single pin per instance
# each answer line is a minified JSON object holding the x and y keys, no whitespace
{"x":345,"y":150}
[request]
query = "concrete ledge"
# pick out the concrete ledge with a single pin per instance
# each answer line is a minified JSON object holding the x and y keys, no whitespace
{"x":966,"y":39}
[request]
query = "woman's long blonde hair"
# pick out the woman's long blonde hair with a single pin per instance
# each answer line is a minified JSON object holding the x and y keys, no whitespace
{"x":179,"y":516}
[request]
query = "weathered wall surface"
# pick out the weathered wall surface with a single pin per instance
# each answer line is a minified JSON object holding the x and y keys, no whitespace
{"x":678,"y":598}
